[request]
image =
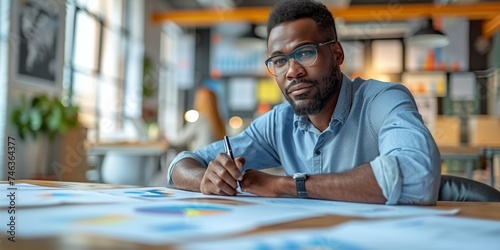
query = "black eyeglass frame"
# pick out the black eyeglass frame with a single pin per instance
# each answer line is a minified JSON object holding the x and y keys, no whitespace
{"x":291,"y":55}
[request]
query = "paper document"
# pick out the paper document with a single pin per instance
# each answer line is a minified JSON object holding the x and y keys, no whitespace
{"x":347,"y":208}
{"x":23,"y":186}
{"x":152,"y":222}
{"x":429,"y":232}
{"x":43,"y":197}
{"x":152,"y":193}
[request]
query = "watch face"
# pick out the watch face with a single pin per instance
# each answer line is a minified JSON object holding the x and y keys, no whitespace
{"x":299,"y":175}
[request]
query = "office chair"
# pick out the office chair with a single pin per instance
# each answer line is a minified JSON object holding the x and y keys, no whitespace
{"x":126,"y":169}
{"x":455,"y":188}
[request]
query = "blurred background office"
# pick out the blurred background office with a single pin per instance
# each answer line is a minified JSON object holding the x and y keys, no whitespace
{"x":204,"y":124}
{"x":132,"y":69}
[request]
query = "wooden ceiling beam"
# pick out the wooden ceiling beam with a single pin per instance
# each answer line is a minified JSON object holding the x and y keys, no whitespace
{"x":207,"y":17}
{"x":362,"y":13}
{"x":491,"y":26}
{"x":398,"y":12}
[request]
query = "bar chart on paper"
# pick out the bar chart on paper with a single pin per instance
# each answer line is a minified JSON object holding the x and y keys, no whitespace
{"x":184,"y":210}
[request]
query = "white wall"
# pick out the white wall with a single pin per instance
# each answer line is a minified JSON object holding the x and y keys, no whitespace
{"x":27,"y":152}
{"x":4,"y":46}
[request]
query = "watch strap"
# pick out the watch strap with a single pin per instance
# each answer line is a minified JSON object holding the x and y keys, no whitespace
{"x":300,"y":184}
{"x":301,"y":188}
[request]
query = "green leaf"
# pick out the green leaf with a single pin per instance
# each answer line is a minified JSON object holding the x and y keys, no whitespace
{"x":54,"y":119}
{"x":24,"y":118}
{"x":16,"y":116}
{"x":22,"y":131}
{"x":35,"y":118}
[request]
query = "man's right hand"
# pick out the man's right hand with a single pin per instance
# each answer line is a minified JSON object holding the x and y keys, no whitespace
{"x":221,"y":175}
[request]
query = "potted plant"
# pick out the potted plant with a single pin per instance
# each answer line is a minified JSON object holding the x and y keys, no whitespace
{"x":43,"y":115}
{"x":43,"y":118}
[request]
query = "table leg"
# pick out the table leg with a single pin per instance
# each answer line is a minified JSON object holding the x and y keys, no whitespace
{"x":492,"y":172}
{"x":469,"y":168}
{"x":98,"y":167}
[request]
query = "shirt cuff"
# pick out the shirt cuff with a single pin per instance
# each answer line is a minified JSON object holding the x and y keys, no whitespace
{"x":180,"y":156}
{"x":388,"y":175}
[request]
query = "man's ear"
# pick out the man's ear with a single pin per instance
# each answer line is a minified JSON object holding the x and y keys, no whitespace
{"x":338,"y":53}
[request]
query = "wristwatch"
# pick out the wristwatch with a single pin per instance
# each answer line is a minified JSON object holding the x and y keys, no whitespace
{"x":300,"y":183}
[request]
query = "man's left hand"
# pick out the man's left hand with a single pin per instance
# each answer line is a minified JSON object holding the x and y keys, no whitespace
{"x":261,"y":183}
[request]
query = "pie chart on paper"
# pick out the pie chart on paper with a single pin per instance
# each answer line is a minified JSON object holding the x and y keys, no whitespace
{"x":185,"y":210}
{"x":58,"y":195}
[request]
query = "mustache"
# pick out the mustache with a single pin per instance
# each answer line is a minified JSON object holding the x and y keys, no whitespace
{"x":298,"y":81}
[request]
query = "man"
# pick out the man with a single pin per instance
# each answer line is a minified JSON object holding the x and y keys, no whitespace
{"x":337,"y":139}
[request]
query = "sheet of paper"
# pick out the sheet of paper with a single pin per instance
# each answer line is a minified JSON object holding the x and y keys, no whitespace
{"x":23,"y":186}
{"x":294,"y":239}
{"x":347,"y":208}
{"x":437,"y":232}
{"x":152,"y":222}
{"x":153,"y":193}
{"x":43,"y":197}
{"x":429,"y":232}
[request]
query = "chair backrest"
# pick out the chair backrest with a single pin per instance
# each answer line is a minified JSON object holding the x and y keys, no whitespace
{"x":455,"y":188}
{"x":123,"y":169}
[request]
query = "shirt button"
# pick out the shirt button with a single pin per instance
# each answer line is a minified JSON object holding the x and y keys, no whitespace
{"x":317,"y":152}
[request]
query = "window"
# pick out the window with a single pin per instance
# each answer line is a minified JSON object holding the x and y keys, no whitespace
{"x":103,"y":66}
{"x":170,"y":97}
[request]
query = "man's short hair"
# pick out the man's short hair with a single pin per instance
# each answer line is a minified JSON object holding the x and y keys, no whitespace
{"x":291,"y":10}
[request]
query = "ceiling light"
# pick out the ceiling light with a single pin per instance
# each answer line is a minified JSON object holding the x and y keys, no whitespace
{"x":250,"y":38}
{"x":429,"y":37}
{"x":218,"y":4}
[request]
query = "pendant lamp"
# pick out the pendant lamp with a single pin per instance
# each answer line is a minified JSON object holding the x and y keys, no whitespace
{"x":429,"y":37}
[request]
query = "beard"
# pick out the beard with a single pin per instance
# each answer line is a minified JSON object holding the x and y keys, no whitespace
{"x":324,"y":93}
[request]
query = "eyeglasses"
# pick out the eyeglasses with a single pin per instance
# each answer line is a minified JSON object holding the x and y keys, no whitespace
{"x":305,"y":55}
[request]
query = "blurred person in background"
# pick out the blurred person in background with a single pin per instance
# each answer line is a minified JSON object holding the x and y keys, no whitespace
{"x":208,"y":128}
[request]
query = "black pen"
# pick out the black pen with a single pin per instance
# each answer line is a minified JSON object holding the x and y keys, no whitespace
{"x":229,"y":153}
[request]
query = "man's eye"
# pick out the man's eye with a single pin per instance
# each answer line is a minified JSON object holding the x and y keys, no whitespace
{"x":279,"y":61}
{"x":304,"y":54}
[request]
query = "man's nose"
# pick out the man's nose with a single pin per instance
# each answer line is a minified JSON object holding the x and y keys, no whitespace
{"x":295,"y":69}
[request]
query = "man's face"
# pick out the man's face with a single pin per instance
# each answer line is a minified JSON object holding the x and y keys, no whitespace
{"x":307,"y":88}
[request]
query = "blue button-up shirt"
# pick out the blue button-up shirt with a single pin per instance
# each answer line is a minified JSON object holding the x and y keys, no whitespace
{"x":375,"y":122}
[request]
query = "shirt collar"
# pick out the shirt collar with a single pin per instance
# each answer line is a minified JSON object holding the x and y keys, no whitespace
{"x":341,"y":110}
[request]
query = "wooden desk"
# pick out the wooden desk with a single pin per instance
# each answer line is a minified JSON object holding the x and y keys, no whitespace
{"x":151,"y":150}
{"x":484,"y":210}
